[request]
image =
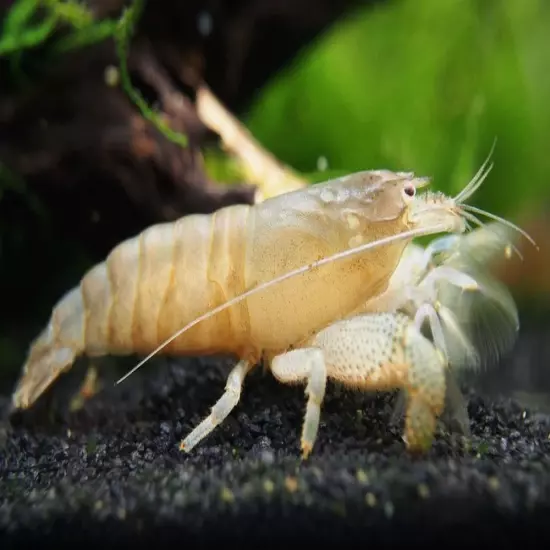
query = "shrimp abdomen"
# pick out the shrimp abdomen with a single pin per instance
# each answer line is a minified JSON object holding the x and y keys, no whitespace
{"x":149,"y":287}
{"x":152,"y":285}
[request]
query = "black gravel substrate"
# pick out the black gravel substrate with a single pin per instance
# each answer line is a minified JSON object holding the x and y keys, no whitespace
{"x":112,"y":475}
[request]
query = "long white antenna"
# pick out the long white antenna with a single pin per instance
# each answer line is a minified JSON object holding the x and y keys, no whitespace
{"x":318,"y":263}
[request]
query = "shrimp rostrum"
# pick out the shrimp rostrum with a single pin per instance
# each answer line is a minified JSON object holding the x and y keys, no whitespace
{"x":256,"y":282}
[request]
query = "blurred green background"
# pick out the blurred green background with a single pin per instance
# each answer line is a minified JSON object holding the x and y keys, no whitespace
{"x":423,"y":85}
{"x":427,"y":86}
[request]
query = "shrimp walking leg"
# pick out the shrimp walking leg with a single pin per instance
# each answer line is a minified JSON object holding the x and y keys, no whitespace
{"x":223,"y":407}
{"x":296,"y":366}
{"x":455,"y":415}
{"x":426,"y":389}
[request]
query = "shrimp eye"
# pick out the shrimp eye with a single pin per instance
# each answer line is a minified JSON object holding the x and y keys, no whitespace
{"x":409,"y":190}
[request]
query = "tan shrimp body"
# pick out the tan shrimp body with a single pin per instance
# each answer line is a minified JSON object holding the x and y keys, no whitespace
{"x":151,"y":285}
{"x":254,"y":282}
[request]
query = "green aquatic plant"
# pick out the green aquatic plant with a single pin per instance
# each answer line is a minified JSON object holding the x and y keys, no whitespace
{"x":29,"y":23}
{"x":124,"y":30}
{"x":67,"y":25}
